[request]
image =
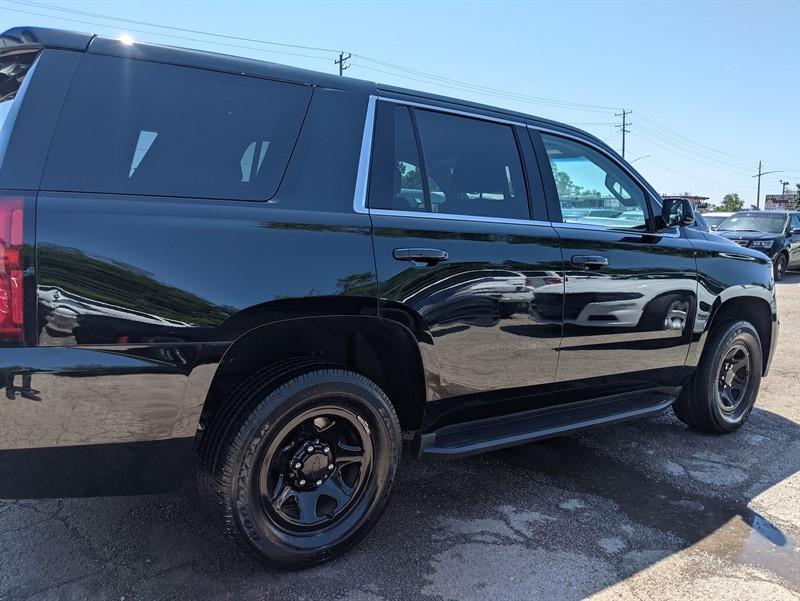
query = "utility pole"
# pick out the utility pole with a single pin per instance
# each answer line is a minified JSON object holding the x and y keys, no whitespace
{"x":784,"y":184}
{"x":758,"y":175}
{"x":624,"y":127}
{"x":341,"y":62}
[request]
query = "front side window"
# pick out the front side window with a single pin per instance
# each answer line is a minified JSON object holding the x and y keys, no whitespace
{"x":795,"y":222}
{"x":136,"y":127}
{"x":593,"y":190}
{"x":471,"y":167}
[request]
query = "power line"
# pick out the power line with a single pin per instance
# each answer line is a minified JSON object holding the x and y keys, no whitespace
{"x":160,"y":26}
{"x":689,"y":151}
{"x":702,"y":179}
{"x":656,"y":130}
{"x":167,"y":36}
{"x":423,"y":74}
{"x":748,"y":160}
{"x":696,"y":159}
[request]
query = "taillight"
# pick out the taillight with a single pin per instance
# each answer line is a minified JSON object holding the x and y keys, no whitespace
{"x":11,"y":290}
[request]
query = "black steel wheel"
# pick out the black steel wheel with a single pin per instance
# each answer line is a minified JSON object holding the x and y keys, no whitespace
{"x":315,"y":468}
{"x":734,"y":380}
{"x":722,"y":392}
{"x":304,"y":468}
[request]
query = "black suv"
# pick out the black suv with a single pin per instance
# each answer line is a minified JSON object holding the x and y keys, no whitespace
{"x":283,"y":278}
{"x":775,"y":233}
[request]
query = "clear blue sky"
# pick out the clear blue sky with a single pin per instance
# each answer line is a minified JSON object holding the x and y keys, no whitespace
{"x":713,"y":86}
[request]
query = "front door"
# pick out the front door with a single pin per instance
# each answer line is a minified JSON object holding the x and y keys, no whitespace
{"x":630,"y":291}
{"x":456,"y":251}
{"x":794,"y":240}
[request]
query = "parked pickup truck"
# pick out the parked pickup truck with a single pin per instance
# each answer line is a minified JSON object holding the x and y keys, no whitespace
{"x":281,"y":279}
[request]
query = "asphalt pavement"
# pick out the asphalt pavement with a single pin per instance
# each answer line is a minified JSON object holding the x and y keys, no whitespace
{"x":646,"y":509}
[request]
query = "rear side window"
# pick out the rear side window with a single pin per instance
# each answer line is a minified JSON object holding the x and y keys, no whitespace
{"x":13,"y":69}
{"x":135,"y":127}
{"x":468,"y":166}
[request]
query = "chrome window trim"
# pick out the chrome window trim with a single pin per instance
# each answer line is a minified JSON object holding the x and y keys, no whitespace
{"x":673,"y":233}
{"x":450,"y":111}
{"x":365,"y":159}
{"x":454,"y":217}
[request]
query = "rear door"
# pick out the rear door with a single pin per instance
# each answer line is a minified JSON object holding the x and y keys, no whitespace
{"x":457,"y":251}
{"x":630,"y":291}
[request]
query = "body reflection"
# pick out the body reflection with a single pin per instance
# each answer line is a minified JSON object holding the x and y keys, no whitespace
{"x":634,"y":314}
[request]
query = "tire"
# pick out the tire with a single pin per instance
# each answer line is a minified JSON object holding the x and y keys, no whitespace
{"x":709,"y":401}
{"x":301,"y":465}
{"x":779,"y":268}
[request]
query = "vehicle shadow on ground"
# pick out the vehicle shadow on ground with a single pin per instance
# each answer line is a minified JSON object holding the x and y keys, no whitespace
{"x":556,"y":520}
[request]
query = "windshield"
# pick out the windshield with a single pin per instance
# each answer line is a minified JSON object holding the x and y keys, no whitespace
{"x":714,"y":219}
{"x":773,"y":224}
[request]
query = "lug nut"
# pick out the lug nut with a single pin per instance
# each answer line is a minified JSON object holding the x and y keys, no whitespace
{"x":298,"y":465}
{"x":319,"y":482}
{"x":310,"y":449}
{"x":302,"y":482}
{"x":326,"y":450}
{"x":330,"y":466}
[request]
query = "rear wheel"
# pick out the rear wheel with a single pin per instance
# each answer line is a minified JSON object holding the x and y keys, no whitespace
{"x":723,"y":390}
{"x":304,"y":468}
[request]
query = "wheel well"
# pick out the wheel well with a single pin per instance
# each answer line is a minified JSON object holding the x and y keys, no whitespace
{"x":383,"y":351}
{"x":753,"y":310}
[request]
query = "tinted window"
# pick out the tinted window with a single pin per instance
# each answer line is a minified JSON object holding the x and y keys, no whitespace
{"x":407,"y":173}
{"x":795,"y":222}
{"x":472,"y":167}
{"x":13,"y":69}
{"x":145,"y":128}
{"x":592,"y":189}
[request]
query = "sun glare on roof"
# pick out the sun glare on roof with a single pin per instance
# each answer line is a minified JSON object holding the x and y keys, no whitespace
{"x":126,"y":39}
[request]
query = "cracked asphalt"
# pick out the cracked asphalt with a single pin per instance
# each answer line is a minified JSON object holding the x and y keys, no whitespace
{"x":641,"y":510}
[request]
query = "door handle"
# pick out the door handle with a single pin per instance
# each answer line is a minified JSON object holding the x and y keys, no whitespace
{"x":589,"y":261}
{"x":426,"y":256}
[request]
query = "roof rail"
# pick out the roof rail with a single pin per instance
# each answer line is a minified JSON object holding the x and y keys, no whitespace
{"x":43,"y":37}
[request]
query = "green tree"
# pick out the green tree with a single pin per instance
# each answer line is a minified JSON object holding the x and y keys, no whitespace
{"x":731,"y":203}
{"x":797,"y":198}
{"x":568,"y":189}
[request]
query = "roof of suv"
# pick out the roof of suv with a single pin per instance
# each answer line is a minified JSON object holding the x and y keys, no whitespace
{"x":43,"y":37}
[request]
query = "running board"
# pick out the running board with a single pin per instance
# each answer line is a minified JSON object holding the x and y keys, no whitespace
{"x":460,"y":440}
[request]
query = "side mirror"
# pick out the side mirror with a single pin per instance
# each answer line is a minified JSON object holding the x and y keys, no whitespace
{"x":794,"y":231}
{"x":677,"y":211}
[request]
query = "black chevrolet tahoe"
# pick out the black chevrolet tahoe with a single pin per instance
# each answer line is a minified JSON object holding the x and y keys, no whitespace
{"x":281,"y":279}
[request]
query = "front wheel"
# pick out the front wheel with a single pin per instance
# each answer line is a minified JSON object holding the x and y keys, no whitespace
{"x":305,"y":468}
{"x":723,"y":390}
{"x":780,"y":267}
